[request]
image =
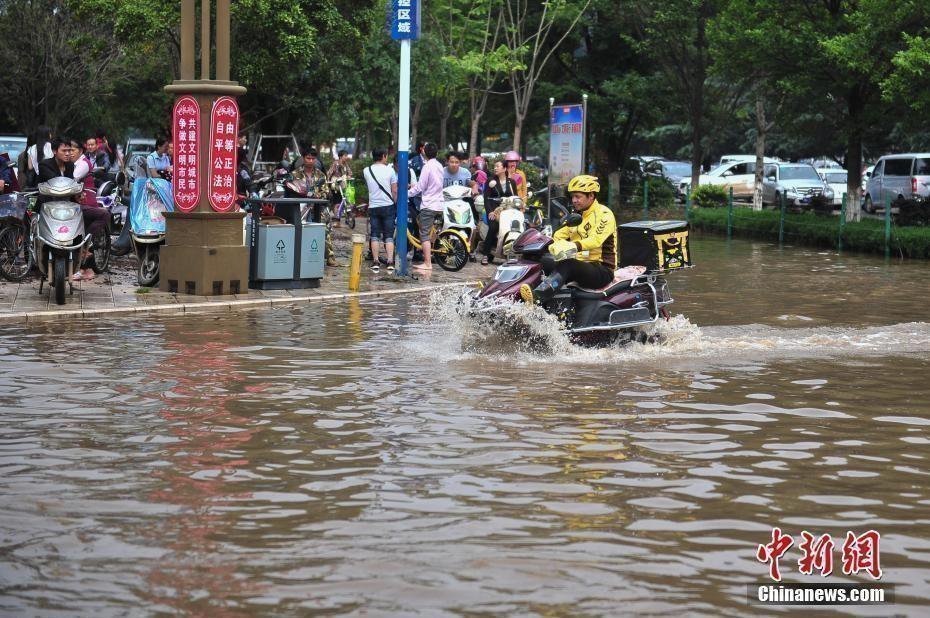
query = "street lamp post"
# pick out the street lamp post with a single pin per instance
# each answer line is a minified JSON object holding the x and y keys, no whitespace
{"x":204,"y":252}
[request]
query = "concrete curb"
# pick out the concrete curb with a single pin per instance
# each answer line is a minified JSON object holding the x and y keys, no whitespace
{"x":32,"y":317}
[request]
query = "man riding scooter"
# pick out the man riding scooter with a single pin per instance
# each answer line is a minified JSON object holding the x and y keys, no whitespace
{"x":593,"y":241}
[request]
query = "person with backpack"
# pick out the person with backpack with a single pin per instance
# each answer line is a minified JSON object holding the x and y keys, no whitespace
{"x":382,"y":207}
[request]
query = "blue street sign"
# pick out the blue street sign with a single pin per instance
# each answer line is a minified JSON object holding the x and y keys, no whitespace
{"x":404,"y":19}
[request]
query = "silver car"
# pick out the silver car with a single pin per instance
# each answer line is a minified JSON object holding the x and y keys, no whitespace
{"x":895,"y":177}
{"x":797,"y":182}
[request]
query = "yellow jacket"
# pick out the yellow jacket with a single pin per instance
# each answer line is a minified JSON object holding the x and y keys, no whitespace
{"x":597,"y":235}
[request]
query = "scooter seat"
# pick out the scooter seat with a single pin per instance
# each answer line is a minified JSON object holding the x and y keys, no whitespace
{"x":622,"y":279}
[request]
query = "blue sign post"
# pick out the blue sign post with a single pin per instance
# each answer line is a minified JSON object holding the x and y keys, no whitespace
{"x":404,"y":22}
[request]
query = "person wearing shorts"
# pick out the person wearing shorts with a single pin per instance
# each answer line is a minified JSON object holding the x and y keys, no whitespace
{"x":426,"y":220}
{"x":429,"y":185}
{"x":382,"y":208}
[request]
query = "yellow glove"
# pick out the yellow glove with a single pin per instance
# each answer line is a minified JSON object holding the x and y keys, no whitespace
{"x":560,"y":246}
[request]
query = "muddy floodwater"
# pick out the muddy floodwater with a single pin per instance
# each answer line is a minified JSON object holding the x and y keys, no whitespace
{"x":367,"y":458}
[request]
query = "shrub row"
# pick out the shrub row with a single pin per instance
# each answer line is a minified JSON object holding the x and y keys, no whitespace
{"x":818,"y":231}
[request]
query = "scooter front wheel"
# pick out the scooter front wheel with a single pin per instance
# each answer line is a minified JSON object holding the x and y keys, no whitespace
{"x":59,"y":277}
{"x":100,"y":250}
{"x":148,"y":266}
{"x":450,"y":251}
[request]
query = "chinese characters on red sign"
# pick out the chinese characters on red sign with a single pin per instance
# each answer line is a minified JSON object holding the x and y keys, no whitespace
{"x":186,"y":136}
{"x":860,"y":553}
{"x":224,"y":130}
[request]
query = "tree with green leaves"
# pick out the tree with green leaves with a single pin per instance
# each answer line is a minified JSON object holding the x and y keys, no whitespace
{"x":534,"y":32}
{"x":56,"y":64}
{"x":674,"y":34}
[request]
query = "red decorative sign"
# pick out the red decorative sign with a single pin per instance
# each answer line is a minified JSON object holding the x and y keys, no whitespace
{"x":224,"y":130}
{"x":186,"y":131}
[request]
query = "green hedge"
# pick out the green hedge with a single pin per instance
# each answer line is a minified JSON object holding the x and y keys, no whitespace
{"x":709,"y":196}
{"x":661,"y":194}
{"x":814,"y":230}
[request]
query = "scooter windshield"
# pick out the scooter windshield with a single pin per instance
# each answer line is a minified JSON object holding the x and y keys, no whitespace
{"x":151,"y":199}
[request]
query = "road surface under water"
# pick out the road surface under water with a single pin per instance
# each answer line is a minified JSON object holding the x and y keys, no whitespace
{"x":370,"y":458}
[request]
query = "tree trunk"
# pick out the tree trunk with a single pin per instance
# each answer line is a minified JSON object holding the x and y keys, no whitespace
{"x":368,"y":140}
{"x":760,"y":151}
{"x":697,"y":96}
{"x":443,"y":132}
{"x":414,"y":122}
{"x":518,"y":130}
{"x":854,"y":155}
{"x":473,"y":148}
{"x":357,"y":150}
{"x":697,"y":130}
{"x":394,"y":130}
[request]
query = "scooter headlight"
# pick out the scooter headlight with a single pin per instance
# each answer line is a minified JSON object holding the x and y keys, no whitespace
{"x":62,"y":212}
{"x":506,"y":274}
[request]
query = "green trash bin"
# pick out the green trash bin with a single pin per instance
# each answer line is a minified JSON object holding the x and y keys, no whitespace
{"x":276,"y":255}
{"x":312,"y":250}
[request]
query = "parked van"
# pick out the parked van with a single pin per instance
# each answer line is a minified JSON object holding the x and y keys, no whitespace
{"x":898,"y":176}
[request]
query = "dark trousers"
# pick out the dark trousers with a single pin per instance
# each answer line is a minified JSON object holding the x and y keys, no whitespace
{"x":591,"y":275}
{"x":95,"y":218}
{"x":490,"y":241}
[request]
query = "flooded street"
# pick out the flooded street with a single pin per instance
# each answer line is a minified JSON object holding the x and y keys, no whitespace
{"x":364,"y":458}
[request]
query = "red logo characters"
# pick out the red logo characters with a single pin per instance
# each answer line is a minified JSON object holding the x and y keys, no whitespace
{"x":860,"y":553}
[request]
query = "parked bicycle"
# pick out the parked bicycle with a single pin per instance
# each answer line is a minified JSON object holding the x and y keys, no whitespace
{"x":16,"y":217}
{"x":345,"y":210}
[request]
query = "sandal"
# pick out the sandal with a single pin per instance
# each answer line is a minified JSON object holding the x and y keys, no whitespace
{"x":484,"y":261}
{"x":375,"y":268}
{"x":77,"y":276}
{"x":390,"y":269}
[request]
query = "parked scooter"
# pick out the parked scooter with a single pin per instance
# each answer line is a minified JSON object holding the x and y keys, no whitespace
{"x":457,"y":213}
{"x":58,"y":236}
{"x":150,"y":201}
{"x":109,"y":196}
{"x":512,"y":225}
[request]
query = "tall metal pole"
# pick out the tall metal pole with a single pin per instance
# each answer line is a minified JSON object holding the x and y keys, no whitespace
{"x":584,"y":134}
{"x":549,"y":175}
{"x":403,"y":154}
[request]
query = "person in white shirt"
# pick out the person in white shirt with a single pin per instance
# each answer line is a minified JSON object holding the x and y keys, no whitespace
{"x":82,"y":165}
{"x":382,"y":207}
{"x":43,"y":145}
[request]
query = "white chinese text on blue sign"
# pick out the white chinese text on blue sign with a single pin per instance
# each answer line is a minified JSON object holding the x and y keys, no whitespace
{"x":405,"y":19}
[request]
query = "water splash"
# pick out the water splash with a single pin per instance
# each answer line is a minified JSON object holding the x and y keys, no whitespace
{"x":530,"y":333}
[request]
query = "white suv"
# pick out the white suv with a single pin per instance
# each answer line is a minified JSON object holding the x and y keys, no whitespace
{"x":895,"y":177}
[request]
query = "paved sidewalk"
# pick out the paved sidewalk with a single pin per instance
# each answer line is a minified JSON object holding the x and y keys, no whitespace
{"x":117,"y":292}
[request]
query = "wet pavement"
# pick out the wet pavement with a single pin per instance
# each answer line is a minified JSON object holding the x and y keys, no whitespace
{"x":119,"y":290}
{"x":383,"y":457}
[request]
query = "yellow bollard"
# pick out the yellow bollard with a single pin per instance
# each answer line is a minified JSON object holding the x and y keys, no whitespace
{"x":355,"y":266}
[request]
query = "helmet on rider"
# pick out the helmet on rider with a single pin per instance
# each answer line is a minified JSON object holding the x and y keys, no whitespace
{"x":512,"y":155}
{"x":584,"y":184}
{"x":583,"y":190}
